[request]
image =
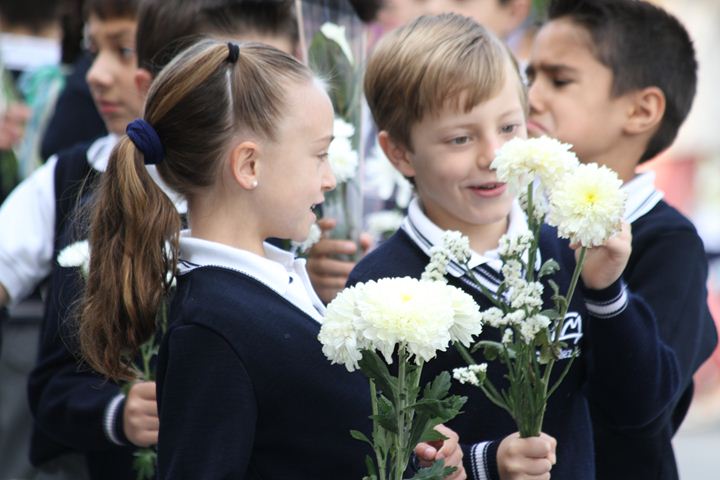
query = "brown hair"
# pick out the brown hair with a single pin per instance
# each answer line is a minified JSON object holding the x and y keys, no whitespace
{"x":420,"y":68}
{"x":196,"y":105}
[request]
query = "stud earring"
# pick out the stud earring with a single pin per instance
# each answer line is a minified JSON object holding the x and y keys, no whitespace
{"x":254,"y":184}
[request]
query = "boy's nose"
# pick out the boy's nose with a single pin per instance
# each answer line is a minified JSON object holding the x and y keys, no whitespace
{"x":99,"y":75}
{"x":486,"y":155}
{"x":535,"y":97}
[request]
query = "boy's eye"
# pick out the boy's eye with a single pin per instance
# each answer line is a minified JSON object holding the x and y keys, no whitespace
{"x":461,"y":140}
{"x":126,"y":53}
{"x":560,"y":82}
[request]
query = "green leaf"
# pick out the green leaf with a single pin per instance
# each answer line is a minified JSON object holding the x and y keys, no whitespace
{"x":548,"y":268}
{"x":386,"y":417}
{"x":145,"y":463}
{"x":357,"y":435}
{"x":375,"y":368}
{"x":370,"y":465}
{"x":329,"y":61}
{"x":491,"y":349}
{"x":438,"y":471}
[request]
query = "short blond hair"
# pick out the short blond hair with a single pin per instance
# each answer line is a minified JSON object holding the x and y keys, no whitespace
{"x":430,"y":63}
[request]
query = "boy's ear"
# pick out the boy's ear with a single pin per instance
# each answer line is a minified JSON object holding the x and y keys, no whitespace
{"x":244,"y":164}
{"x":143,"y":79}
{"x":646,"y":110}
{"x":397,"y":153}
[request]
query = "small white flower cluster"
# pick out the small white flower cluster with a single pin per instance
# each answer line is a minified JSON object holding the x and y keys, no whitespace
{"x":587,"y":207}
{"x":342,"y":157}
{"x":454,"y":246}
{"x":472,"y":374}
{"x":76,"y":255}
{"x":515,"y":245}
{"x":521,"y":161}
{"x":532,"y":326}
{"x":313,"y":237}
{"x":424,"y":317}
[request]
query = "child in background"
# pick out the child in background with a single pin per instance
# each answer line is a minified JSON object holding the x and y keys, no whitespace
{"x":445,"y":95}
{"x":240,"y":366}
{"x":616,"y":79}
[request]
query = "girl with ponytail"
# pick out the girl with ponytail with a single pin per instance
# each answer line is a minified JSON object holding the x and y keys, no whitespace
{"x":243,"y":388}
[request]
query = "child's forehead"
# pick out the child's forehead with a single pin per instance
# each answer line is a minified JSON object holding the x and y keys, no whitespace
{"x":111,"y":27}
{"x":563,"y":43}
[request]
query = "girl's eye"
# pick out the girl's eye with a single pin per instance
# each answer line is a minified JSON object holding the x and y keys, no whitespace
{"x":126,"y":53}
{"x":323,"y":156}
{"x":559,"y":83}
{"x":509,"y":129}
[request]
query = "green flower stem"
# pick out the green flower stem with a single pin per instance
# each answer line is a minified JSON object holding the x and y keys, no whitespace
{"x":530,"y":270}
{"x":379,"y":456}
{"x":464,"y":353}
{"x":400,"y":415}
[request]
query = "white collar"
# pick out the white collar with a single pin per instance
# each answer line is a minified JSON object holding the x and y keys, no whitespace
{"x":642,"y":196}
{"x":98,"y":155}
{"x":274,"y":270}
{"x":25,"y":52}
{"x":426,"y":234}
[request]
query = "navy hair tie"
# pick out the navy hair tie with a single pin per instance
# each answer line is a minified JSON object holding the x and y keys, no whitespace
{"x":233,"y":52}
{"x":146,"y":139}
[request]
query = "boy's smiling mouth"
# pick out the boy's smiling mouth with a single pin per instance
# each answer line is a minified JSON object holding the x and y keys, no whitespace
{"x":488,"y":189}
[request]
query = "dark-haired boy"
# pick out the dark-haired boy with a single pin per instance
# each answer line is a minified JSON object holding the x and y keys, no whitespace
{"x":616,"y":78}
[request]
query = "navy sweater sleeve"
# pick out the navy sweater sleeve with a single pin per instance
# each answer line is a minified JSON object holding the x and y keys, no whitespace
{"x":208,"y":415}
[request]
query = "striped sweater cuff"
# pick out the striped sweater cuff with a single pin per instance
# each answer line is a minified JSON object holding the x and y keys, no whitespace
{"x":608,"y":302}
{"x":483,"y":461}
{"x":112,"y":430}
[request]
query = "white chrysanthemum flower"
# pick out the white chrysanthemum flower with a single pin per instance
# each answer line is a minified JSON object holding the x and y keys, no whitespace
{"x":493,"y":316}
{"x":532,"y":326}
{"x":336,"y":33}
{"x":313,"y":237}
{"x":406,"y":310}
{"x":343,"y":159}
{"x":514,"y":245}
{"x":457,"y":245}
{"x":520,"y":161}
{"x":76,"y":255}
{"x":384,"y":179}
{"x":342,"y":129}
{"x":386,"y":221}
{"x":587,"y":206}
{"x":339,"y":336}
{"x":472,"y":374}
{"x":467,"y":319}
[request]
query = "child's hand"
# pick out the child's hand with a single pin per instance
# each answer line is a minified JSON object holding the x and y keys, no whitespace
{"x":327,"y":274}
{"x":604,"y":264}
{"x":12,"y":125}
{"x":525,"y":458}
{"x":140,"y":417}
{"x":448,"y":450}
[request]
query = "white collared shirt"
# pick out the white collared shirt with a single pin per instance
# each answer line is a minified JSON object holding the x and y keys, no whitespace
{"x":278,"y":270}
{"x":642,"y":196}
{"x":486,"y":266}
{"x":27,"y":220}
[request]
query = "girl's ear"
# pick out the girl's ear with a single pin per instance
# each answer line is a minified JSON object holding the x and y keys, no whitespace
{"x":244,"y":164}
{"x":398,"y":154}
{"x":143,"y":79}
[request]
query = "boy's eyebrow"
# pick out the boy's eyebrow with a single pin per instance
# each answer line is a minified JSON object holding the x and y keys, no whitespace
{"x":548,"y":68}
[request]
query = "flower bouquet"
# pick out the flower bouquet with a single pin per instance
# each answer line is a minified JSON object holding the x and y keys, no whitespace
{"x":333,"y":40}
{"x":373,"y":324}
{"x":586,"y":205}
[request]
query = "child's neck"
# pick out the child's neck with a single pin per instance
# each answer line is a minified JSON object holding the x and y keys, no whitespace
{"x":623,"y":159}
{"x":208,"y":220}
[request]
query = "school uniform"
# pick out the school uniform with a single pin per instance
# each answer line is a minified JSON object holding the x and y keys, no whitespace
{"x":244,"y":390}
{"x":669,"y":269}
{"x":622,"y":366}
{"x":76,"y":410}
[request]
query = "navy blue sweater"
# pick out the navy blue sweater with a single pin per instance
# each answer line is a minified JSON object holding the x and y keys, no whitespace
{"x":668,"y":268}
{"x":68,"y":401}
{"x":623,"y":367}
{"x":245,"y":392}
